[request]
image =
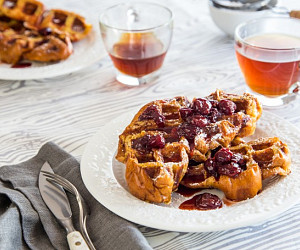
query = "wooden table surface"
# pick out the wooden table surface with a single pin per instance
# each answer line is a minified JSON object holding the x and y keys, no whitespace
{"x":70,"y":109}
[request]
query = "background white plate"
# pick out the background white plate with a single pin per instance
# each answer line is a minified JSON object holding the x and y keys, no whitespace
{"x":86,"y":52}
{"x":104,"y":178}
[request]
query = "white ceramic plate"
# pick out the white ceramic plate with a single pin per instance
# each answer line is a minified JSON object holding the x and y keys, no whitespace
{"x":104,"y":178}
{"x":86,"y":52}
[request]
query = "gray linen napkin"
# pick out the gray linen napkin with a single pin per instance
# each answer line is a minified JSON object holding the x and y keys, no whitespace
{"x":26,"y":223}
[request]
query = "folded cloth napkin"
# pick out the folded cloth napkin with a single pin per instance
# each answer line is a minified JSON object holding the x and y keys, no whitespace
{"x":26,"y":222}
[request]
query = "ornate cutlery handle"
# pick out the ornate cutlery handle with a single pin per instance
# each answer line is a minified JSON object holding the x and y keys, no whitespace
{"x":76,"y":241}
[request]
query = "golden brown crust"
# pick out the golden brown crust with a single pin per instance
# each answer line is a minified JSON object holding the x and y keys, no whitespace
{"x":51,"y":49}
{"x":68,"y":22}
{"x":8,"y":23}
{"x":153,"y":176}
{"x":225,"y":130}
{"x":31,"y":45}
{"x":23,"y":10}
{"x":245,"y":104}
{"x":168,"y":106}
{"x":12,"y":47}
{"x":266,"y":157}
{"x":148,"y":188}
{"x":272,"y":155}
{"x":28,"y":32}
{"x":216,"y":134}
{"x":243,"y":187}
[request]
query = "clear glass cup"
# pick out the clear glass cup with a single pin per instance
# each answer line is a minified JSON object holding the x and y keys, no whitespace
{"x":136,"y":37}
{"x":268,"y":52}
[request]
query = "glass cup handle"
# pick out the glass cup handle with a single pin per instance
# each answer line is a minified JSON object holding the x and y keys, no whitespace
{"x":293,"y":93}
{"x":296,"y":88}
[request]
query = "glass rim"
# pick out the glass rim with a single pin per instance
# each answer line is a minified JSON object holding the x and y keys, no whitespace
{"x":170,"y":20}
{"x":238,"y":38}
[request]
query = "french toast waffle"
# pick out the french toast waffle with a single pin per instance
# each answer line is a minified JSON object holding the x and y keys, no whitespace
{"x":12,"y":46}
{"x":29,"y":32}
{"x":8,"y":23}
{"x":245,"y":104}
{"x":198,"y":126}
{"x":68,"y":22}
{"x":154,"y":169}
{"x":24,"y":10}
{"x":50,"y":49}
{"x":239,"y":170}
{"x":31,"y":45}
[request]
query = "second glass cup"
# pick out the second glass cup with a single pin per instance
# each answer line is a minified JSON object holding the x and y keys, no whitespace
{"x":268,"y":52}
{"x":137,"y":37}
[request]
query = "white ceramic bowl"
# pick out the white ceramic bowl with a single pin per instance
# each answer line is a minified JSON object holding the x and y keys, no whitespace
{"x":227,"y":20}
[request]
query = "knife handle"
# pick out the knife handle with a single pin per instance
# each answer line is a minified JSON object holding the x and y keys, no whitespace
{"x":76,"y":241}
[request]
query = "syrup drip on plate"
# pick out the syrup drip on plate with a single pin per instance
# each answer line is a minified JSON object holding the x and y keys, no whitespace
{"x":21,"y":65}
{"x":205,"y":201}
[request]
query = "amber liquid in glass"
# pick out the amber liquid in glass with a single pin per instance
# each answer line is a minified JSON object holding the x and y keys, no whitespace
{"x":138,"y":54}
{"x":270,"y":77}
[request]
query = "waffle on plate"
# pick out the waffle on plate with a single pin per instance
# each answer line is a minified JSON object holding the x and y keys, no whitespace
{"x":29,"y":32}
{"x":169,"y":140}
{"x":34,"y":46}
{"x":67,"y":22}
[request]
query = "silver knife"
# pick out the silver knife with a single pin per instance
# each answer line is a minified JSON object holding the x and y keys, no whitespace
{"x":57,"y":201}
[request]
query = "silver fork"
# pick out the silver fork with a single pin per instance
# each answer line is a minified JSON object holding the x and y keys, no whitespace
{"x":83,"y":209}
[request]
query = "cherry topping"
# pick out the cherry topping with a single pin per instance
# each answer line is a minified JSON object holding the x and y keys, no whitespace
{"x":231,"y":169}
{"x":156,"y":141}
{"x":239,"y":159}
{"x":174,"y":133}
{"x":214,"y":151}
{"x":189,"y":131}
{"x":211,"y":167}
{"x":203,"y":201}
{"x":185,"y":112}
{"x":140,"y":144}
{"x":21,"y":65}
{"x":245,"y":120}
{"x":197,"y":117}
{"x":223,"y":155}
{"x":208,"y":201}
{"x":214,"y":103}
{"x":147,"y":142}
{"x":227,"y":107}
{"x":202,"y":106}
{"x":225,"y":162}
{"x":214,"y":115}
{"x":152,"y":112}
{"x":198,"y":120}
